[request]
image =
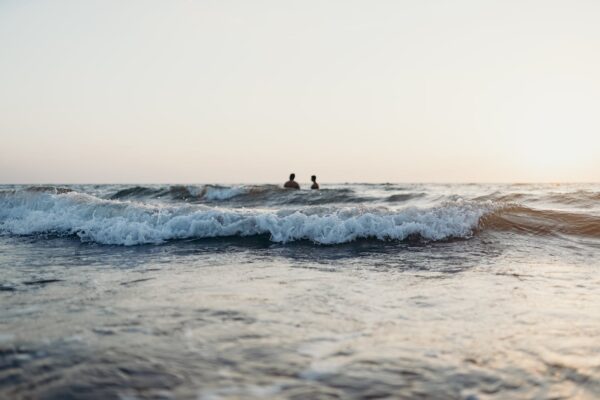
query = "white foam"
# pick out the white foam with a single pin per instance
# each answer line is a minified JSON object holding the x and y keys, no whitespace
{"x":127,"y":223}
{"x":223,"y":193}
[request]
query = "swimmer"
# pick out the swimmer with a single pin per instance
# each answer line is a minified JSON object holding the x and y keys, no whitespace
{"x":291,"y":184}
{"x":315,"y":185}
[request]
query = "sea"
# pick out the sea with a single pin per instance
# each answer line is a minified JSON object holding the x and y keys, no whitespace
{"x":354,"y":291}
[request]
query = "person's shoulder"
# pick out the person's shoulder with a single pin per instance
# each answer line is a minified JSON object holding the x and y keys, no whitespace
{"x":291,"y":185}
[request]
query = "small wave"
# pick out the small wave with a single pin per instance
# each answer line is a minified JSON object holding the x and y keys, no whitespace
{"x":49,"y":189}
{"x":397,"y":198}
{"x":179,"y":192}
{"x":523,"y":219}
{"x":578,"y":198}
{"x":135,"y":192}
{"x":502,"y":197}
{"x":130,"y":223}
{"x":176,"y":192}
{"x":247,"y":195}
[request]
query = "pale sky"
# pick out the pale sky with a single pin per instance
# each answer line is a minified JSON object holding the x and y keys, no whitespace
{"x":248,"y":91}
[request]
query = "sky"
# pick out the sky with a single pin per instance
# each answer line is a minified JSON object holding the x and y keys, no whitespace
{"x":249,"y":91}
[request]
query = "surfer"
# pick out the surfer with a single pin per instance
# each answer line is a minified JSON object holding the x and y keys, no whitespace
{"x":291,"y":184}
{"x":315,"y":185}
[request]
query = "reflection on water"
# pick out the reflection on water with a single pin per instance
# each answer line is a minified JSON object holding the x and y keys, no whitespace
{"x":497,"y":316}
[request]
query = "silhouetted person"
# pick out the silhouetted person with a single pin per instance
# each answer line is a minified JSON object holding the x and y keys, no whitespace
{"x":291,"y":184}
{"x":315,"y":185}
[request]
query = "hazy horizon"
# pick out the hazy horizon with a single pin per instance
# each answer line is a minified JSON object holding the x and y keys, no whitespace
{"x":352,"y":91}
{"x":305,"y":183}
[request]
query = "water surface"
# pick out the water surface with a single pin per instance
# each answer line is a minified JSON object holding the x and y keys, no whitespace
{"x":355,"y":291}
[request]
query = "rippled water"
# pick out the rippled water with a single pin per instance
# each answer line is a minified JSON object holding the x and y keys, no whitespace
{"x":356,"y":291}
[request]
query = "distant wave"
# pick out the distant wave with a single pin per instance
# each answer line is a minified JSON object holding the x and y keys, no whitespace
{"x":582,"y":198}
{"x":48,"y":189}
{"x":250,"y":195}
{"x":179,"y":192}
{"x":404,"y":197}
{"x":120,"y":222}
{"x":382,"y":194}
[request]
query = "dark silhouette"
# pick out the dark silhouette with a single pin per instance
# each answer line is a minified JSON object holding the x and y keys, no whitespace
{"x":315,"y":185}
{"x":291,"y":184}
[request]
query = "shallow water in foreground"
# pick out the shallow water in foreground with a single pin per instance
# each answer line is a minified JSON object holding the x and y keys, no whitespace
{"x":504,"y":312}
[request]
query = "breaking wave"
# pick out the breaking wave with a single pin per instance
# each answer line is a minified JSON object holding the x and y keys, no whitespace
{"x":120,"y":222}
{"x":154,"y":214}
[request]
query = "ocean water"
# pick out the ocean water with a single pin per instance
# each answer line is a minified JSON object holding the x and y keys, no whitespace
{"x":251,"y":291}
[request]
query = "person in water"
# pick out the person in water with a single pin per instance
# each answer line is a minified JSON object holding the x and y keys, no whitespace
{"x":291,"y":184}
{"x":315,"y":185}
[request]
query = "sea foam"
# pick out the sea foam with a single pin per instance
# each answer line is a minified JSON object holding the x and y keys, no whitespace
{"x":131,"y":223}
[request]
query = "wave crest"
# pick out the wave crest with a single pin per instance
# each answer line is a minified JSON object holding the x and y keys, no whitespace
{"x":127,"y":223}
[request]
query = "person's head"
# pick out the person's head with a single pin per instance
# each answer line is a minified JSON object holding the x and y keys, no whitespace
{"x":313,"y":178}
{"x":292,"y":176}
